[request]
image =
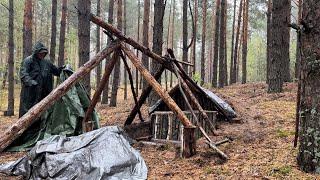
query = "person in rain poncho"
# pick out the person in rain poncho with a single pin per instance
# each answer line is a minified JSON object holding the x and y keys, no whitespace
{"x":36,"y":76}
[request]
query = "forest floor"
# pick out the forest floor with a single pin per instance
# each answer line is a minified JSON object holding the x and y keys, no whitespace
{"x":262,"y":146}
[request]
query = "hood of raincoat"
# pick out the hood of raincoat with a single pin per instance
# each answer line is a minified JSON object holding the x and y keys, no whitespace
{"x":39,"y":47}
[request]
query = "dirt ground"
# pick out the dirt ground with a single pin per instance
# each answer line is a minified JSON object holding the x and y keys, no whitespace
{"x":262,"y":146}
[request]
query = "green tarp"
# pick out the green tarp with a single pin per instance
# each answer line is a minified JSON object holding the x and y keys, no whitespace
{"x":63,"y":118}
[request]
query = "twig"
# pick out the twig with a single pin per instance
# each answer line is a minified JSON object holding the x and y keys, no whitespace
{"x":5,"y":6}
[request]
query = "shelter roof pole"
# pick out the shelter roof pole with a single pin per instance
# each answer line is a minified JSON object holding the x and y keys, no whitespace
{"x":86,"y":126}
{"x":26,"y":120}
{"x":157,"y":87}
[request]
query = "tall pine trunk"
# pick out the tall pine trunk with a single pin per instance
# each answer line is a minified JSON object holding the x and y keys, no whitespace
{"x":185,"y":33}
{"x":232,"y":77}
{"x":98,"y":43}
{"x":245,"y":41}
{"x":84,"y":7}
{"x":27,"y":29}
{"x":298,"y":55}
{"x":125,"y":32}
{"x":279,"y":47}
{"x":105,"y":95}
{"x":269,"y":38}
{"x":145,"y":33}
{"x":10,"y":109}
{"x":203,"y":39}
{"x":159,"y":7}
{"x":309,"y":148}
{"x":225,"y":65}
{"x":195,"y":30}
{"x":216,"y":45}
{"x":62,"y":32}
{"x":222,"y":45}
{"x":53,"y":31}
{"x":138,"y":40}
{"x":116,"y":70}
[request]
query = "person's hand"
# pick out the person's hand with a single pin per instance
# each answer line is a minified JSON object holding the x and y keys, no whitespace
{"x":62,"y":67}
{"x":34,"y":83}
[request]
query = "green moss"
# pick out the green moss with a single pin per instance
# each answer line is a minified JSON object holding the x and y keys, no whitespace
{"x":283,"y":133}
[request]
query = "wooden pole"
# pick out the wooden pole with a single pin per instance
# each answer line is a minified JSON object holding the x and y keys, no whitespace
{"x":86,"y":125}
{"x":114,"y":31}
{"x":157,"y":88}
{"x":144,"y":95}
{"x":26,"y":120}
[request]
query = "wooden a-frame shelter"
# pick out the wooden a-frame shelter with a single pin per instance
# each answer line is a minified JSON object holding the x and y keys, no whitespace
{"x":119,"y":50}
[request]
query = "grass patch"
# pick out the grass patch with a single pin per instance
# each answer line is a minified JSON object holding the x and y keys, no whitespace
{"x":280,"y":133}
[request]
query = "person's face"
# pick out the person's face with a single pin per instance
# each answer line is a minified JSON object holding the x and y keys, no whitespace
{"x":41,"y":55}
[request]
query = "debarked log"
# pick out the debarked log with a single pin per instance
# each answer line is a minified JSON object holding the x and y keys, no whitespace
{"x":26,"y":120}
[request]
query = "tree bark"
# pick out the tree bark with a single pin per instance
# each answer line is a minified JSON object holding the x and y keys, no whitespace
{"x":194,"y":45}
{"x":98,"y":43}
{"x":105,"y":94}
{"x":298,"y":55}
{"x":116,"y":71}
{"x":236,"y":47}
{"x":232,"y":74}
{"x":159,"y":7}
{"x":53,"y":31}
{"x":27,"y":29}
{"x":203,"y":39}
{"x":280,"y":49}
{"x":225,"y":65}
{"x":185,"y":33}
{"x":62,"y":32}
{"x":84,"y":7}
{"x":245,"y":41}
{"x":222,"y":45}
{"x":138,"y":40}
{"x":216,"y":45}
{"x":125,"y":32}
{"x":309,"y":148}
{"x":269,"y":38}
{"x":26,"y":120}
{"x":10,"y":109}
{"x":145,"y":33}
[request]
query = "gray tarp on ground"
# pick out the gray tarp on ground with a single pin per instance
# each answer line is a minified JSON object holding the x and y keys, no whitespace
{"x":101,"y":154}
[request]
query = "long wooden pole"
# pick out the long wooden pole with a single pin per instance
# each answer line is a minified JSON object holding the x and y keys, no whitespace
{"x":86,"y":126}
{"x":157,"y":88}
{"x":26,"y":120}
{"x":114,"y":31}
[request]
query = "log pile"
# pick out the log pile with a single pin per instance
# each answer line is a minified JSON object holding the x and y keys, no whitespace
{"x":118,"y":48}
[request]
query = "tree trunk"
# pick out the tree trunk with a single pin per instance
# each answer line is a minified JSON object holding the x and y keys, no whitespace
{"x":53,"y":31}
{"x":232,"y":74}
{"x":185,"y":34}
{"x":245,"y":41}
{"x":269,"y":38}
{"x":105,"y":94}
{"x":225,"y":65}
{"x":298,"y":55}
{"x":236,"y":47}
{"x":62,"y":32}
{"x":10,"y":110}
{"x":98,"y":44}
{"x":286,"y":38}
{"x":222,"y":45}
{"x":116,"y":72}
{"x":138,"y":40}
{"x":172,"y":36}
{"x":216,"y":45}
{"x":159,"y":7}
{"x":84,"y":7}
{"x":145,"y":33}
{"x":308,"y":155}
{"x":27,"y":29}
{"x":194,"y":45}
{"x":203,"y":39}
{"x":280,"y":48}
{"x":125,"y":32}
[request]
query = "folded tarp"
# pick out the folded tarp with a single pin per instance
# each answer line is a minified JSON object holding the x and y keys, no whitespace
{"x":101,"y":154}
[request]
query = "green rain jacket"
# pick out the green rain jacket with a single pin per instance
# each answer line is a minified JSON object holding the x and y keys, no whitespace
{"x":37,"y":79}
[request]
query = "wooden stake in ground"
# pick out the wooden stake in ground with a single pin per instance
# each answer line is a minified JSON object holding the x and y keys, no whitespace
{"x":26,"y":120}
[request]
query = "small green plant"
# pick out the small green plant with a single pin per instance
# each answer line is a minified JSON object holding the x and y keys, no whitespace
{"x":196,"y":77}
{"x":283,"y":133}
{"x":208,"y":170}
